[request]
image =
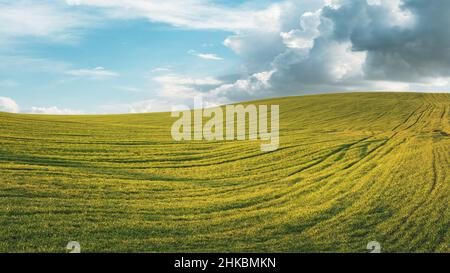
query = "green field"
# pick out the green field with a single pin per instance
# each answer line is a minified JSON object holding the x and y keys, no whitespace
{"x":351,"y":168}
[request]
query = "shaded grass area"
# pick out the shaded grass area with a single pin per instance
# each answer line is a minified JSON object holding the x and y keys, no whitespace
{"x":351,"y":168}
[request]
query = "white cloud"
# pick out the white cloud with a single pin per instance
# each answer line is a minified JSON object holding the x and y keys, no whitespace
{"x":96,"y":73}
{"x":173,"y":90}
{"x":196,"y":14}
{"x":8,"y":105}
{"x":144,"y":106}
{"x":147,"y":106}
{"x":128,"y":88}
{"x":389,"y":86}
{"x":209,"y":56}
{"x":397,"y":15}
{"x":254,"y":86}
{"x":179,"y":87}
{"x":183,"y":80}
{"x":26,"y":64}
{"x":438,"y":82}
{"x":207,"y":45}
{"x":205,"y":56}
{"x":53,"y":110}
{"x":160,"y":69}
{"x":303,"y":38}
{"x":344,"y":63}
{"x":288,"y":47}
{"x":383,"y":45}
{"x":41,"y":19}
{"x":234,"y":43}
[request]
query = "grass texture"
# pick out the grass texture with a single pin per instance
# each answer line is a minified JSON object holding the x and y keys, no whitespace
{"x":351,"y":168}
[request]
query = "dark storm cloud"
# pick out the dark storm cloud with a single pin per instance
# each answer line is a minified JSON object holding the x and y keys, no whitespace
{"x":360,"y":45}
{"x":396,"y":52}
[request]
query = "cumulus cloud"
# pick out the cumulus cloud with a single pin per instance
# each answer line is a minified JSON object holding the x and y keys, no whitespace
{"x":303,"y":38}
{"x":288,"y":47}
{"x":343,"y":45}
{"x":178,"y":87}
{"x":256,"y":85}
{"x":53,"y":110}
{"x":404,"y":41}
{"x":257,"y":49}
{"x":95,"y":73}
{"x":8,"y":105}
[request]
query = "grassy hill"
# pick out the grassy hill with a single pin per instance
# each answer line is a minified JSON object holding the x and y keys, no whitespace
{"x":351,"y":168}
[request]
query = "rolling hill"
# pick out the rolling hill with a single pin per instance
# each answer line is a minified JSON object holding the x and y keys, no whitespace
{"x":350,"y":168}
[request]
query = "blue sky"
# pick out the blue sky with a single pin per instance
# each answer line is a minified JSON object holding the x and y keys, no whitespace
{"x":134,"y":51}
{"x":98,"y":56}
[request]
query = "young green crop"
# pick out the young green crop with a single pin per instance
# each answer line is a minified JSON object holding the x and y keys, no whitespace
{"x":350,"y":168}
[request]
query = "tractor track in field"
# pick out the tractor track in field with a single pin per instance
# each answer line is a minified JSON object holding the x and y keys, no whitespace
{"x":340,"y":149}
{"x":434,"y":170}
{"x":386,"y":141}
{"x":407,"y":119}
{"x":434,"y":179}
{"x":362,"y":160}
{"x":345,"y":172}
{"x":435,"y":176}
{"x":443,"y":114}
{"x":414,"y":209}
